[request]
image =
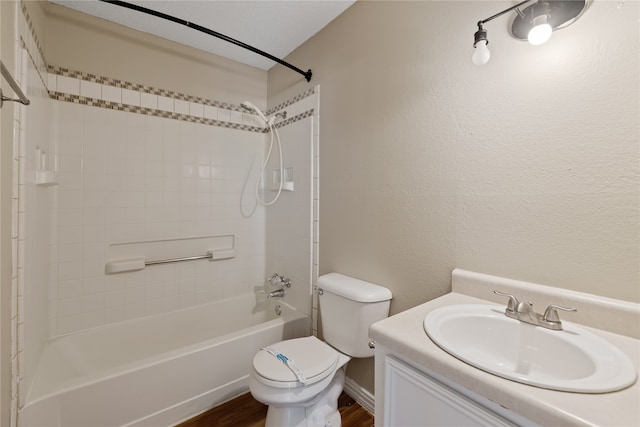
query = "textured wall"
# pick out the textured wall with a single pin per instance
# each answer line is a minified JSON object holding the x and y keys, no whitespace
{"x":525,"y":168}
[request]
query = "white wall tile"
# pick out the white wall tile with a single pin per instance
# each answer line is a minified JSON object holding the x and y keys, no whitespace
{"x":210,"y":112}
{"x":181,"y":107}
{"x":310,"y":102}
{"x":148,"y":100}
{"x":52,"y":82}
{"x":196,"y":109}
{"x":90,"y":89}
{"x":68,"y":85}
{"x":224,"y":115}
{"x":131,"y":97}
{"x":68,"y":324}
{"x":235,"y":117}
{"x":111,"y":94}
{"x":165,"y":104}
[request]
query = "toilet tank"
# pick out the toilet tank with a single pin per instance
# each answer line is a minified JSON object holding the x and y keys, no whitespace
{"x":348,"y":307}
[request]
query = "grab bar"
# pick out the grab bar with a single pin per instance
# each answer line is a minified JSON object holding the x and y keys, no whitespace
{"x":209,"y":255}
{"x":14,"y":85}
{"x":139,"y":263}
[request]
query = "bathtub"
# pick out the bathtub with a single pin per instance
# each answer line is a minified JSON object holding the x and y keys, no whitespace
{"x":158,"y":370}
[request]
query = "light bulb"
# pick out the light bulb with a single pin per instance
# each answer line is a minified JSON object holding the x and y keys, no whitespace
{"x":541,"y":30}
{"x":481,"y":53}
{"x":539,"y":34}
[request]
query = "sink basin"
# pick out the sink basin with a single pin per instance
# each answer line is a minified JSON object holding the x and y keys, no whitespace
{"x":573,"y":359}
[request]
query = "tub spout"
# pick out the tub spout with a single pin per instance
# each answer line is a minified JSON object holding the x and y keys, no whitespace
{"x":279,"y":293}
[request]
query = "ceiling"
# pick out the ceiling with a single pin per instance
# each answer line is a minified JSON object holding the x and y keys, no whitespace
{"x":276,"y":27}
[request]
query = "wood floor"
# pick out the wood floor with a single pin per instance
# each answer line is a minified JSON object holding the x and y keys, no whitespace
{"x":245,"y":411}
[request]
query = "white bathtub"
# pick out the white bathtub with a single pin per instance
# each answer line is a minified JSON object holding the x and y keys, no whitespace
{"x":158,"y":370}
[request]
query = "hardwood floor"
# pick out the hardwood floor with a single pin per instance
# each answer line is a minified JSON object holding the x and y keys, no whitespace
{"x":245,"y":411}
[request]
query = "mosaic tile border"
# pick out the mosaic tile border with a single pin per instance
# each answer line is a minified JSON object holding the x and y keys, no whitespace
{"x":30,"y":43}
{"x":32,"y":30}
{"x":291,"y":101}
{"x":170,"y":96}
{"x":92,"y":102}
{"x":122,"y":84}
{"x":295,"y":118}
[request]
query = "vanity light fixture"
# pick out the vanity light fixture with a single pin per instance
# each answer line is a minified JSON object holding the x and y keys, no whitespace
{"x":534,"y":23}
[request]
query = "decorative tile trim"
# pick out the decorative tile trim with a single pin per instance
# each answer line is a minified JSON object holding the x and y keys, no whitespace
{"x":290,"y":101}
{"x":174,"y":96}
{"x":32,"y":30}
{"x":82,"y":100}
{"x":139,"y":88}
{"x":296,"y":118}
{"x":29,"y":41}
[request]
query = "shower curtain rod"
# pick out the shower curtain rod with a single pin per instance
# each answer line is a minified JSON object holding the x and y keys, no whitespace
{"x":307,"y":74}
{"x":22,"y":98}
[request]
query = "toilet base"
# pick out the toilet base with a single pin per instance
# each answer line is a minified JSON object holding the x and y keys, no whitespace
{"x":322,"y":411}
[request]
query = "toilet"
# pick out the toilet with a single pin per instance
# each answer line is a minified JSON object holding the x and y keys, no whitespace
{"x":301,"y":379}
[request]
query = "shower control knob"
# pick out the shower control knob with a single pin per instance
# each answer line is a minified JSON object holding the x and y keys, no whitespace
{"x":276,"y":279}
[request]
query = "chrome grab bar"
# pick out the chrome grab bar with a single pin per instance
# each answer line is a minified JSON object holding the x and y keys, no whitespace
{"x":189,"y":258}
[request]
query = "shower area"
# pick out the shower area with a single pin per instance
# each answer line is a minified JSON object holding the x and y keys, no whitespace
{"x":117,"y":186}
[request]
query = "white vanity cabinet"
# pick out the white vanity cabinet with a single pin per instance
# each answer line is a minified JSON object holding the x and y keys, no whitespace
{"x":414,"y":398}
{"x":418,"y":384}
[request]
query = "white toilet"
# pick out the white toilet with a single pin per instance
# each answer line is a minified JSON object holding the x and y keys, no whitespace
{"x":301,"y":379}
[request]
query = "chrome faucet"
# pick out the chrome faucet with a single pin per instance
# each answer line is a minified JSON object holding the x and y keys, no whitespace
{"x":523,"y":311}
{"x":278,"y":293}
{"x":276,"y":280}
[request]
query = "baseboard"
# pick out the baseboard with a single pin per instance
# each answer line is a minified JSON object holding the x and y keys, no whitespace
{"x":360,"y":395}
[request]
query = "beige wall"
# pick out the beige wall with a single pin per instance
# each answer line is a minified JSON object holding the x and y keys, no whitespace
{"x":84,"y":43}
{"x":525,"y":168}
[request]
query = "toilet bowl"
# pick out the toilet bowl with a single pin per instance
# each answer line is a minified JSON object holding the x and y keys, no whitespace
{"x":292,"y":403}
{"x":301,"y":379}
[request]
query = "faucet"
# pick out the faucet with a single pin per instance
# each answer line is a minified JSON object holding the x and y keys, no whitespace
{"x":276,"y":280}
{"x":278,"y":293}
{"x":523,"y":311}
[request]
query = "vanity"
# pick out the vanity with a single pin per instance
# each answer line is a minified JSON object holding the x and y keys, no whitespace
{"x":594,"y":359}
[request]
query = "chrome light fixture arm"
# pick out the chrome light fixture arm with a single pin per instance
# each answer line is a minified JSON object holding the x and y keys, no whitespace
{"x":481,"y":34}
{"x":534,"y":23}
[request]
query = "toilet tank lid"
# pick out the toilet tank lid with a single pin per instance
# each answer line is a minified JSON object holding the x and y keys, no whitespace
{"x":352,"y":288}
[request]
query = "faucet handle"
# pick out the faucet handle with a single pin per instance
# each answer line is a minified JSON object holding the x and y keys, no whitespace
{"x":551,"y":315}
{"x":513,"y":301}
{"x":275,"y":280}
{"x":286,"y":282}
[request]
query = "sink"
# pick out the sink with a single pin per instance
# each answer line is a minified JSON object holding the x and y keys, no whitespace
{"x":572,"y":359}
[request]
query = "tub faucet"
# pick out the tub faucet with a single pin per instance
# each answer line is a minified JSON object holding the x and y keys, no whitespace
{"x":278,"y":293}
{"x":276,"y":280}
{"x":523,"y":311}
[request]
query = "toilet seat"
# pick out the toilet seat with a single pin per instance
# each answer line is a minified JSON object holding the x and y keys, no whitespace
{"x":314,"y":358}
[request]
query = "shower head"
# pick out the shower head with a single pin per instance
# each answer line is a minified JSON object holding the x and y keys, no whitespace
{"x":249,"y":106}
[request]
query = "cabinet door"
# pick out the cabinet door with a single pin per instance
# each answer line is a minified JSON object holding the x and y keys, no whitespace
{"x":413,"y":399}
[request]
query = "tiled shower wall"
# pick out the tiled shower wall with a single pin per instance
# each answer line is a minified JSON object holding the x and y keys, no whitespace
{"x":135,"y":173}
{"x":127,"y":177}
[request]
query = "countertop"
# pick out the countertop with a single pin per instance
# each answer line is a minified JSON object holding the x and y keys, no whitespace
{"x":404,"y":335}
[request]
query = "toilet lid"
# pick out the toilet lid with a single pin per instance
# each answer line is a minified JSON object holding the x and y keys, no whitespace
{"x":311,"y":356}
